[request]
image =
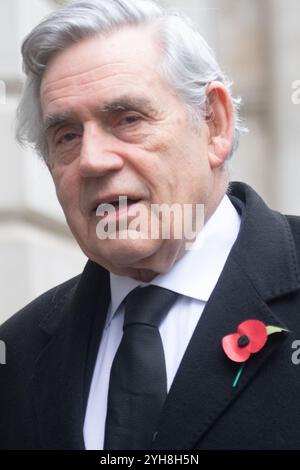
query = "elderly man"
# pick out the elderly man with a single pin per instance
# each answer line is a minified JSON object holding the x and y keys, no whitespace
{"x":159,"y":343}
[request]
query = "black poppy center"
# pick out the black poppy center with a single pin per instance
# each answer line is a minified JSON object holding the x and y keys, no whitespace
{"x":243,"y":341}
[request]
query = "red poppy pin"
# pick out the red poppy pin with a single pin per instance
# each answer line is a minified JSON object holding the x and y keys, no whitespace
{"x":251,"y":336}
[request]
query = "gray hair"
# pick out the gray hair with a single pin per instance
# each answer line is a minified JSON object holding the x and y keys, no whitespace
{"x":188,"y":63}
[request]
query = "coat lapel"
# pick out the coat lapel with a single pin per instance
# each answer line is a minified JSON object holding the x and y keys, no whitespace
{"x":202,"y":388}
{"x":63,"y":371}
{"x":254,"y":273}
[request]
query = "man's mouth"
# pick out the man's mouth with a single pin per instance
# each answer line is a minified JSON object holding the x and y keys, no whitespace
{"x":116,"y":206}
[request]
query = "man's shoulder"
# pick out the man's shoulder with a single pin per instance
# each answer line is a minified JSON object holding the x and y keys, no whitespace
{"x":262,"y":216}
{"x":294,"y":223}
{"x":32,"y":315}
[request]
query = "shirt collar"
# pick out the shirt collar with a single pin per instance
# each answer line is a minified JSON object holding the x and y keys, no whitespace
{"x":202,"y":265}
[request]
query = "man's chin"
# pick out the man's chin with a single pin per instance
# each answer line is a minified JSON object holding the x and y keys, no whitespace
{"x":128,"y":252}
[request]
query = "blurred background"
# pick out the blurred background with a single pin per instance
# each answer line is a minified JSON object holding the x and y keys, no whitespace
{"x":257,"y":44}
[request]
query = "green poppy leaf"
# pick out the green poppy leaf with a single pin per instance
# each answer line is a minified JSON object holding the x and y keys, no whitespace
{"x":274,"y":329}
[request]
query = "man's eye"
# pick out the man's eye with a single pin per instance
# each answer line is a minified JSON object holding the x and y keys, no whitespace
{"x":68,"y":137}
{"x":127,"y":120}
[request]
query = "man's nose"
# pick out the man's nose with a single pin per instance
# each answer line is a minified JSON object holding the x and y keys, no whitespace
{"x":99,"y":152}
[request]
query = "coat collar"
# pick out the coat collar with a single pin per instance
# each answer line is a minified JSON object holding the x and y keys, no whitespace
{"x":265,"y":248}
{"x":261,"y":266}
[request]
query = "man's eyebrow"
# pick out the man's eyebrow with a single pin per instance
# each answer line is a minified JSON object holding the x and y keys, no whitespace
{"x":129,"y":104}
{"x":55,"y":119}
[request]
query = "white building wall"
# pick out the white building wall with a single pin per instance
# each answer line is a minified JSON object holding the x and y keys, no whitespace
{"x":36,"y":248}
{"x":285,"y":70}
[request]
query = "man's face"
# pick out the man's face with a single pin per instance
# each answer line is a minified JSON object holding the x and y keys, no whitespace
{"x":120,"y":130}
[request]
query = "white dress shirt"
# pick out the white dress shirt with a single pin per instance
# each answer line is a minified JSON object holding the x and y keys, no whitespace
{"x":194,"y":277}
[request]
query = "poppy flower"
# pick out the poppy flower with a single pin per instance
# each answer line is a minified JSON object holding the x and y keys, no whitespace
{"x":250,"y":338}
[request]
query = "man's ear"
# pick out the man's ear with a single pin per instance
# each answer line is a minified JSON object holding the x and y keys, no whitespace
{"x":220,"y":123}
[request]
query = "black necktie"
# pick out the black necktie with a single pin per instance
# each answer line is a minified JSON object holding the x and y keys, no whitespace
{"x":138,"y":383}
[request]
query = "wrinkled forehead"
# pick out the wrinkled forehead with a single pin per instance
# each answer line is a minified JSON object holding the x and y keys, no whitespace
{"x":130,"y":48}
